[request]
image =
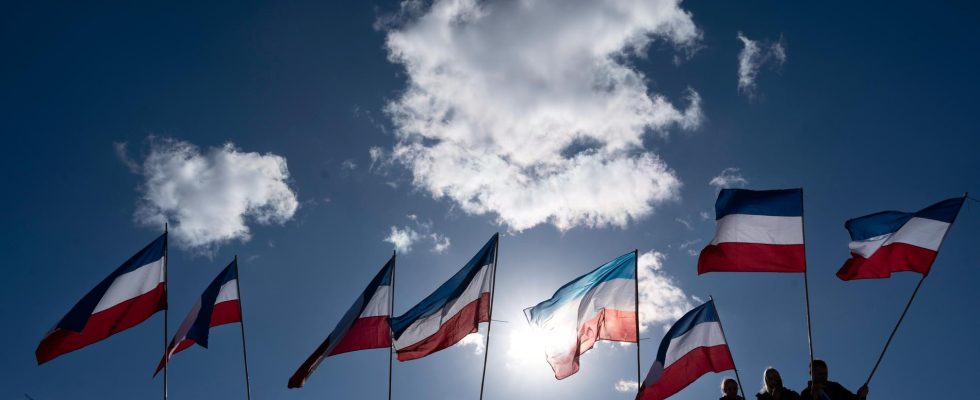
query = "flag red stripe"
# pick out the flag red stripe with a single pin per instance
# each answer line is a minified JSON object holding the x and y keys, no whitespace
{"x":226,"y":312}
{"x":365,"y":333}
{"x":612,"y":325}
{"x":895,"y":257}
{"x":686,"y":370}
{"x":752,"y":257}
{"x":103,"y":324}
{"x":465,"y":322}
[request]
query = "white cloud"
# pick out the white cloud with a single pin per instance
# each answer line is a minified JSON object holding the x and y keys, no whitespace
{"x":728,"y":178}
{"x":209,"y":198}
{"x":475,"y":340}
{"x":123,"y":155}
{"x":704,"y":215}
{"x":755,"y":55}
{"x":685,"y":222}
{"x":531,"y":110}
{"x":405,"y":237}
{"x":661,"y":300}
{"x":348,"y":165}
{"x":626,"y":386}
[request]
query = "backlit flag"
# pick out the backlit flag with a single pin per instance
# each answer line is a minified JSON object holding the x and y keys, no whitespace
{"x":363,"y":327}
{"x":894,"y":241}
{"x":694,"y":346}
{"x":453,"y":311}
{"x":600,"y":305}
{"x":219,"y":305}
{"x":131,"y":294}
{"x":756,"y":231}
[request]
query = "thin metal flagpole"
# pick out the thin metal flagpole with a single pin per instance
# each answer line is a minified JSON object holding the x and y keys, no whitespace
{"x":806,"y":288}
{"x":636,"y":282}
{"x":166,"y":296}
{"x":914,"y":292}
{"x":493,"y":284}
{"x":391,"y":310}
{"x":730,"y":355}
{"x":241,"y":313}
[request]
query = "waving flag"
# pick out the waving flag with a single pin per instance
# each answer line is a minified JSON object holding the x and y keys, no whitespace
{"x":756,"y":231}
{"x":219,"y":305}
{"x":600,"y":305}
{"x":894,"y":241}
{"x":131,"y":294}
{"x":453,"y":311}
{"x":694,"y":346}
{"x":363,"y":327}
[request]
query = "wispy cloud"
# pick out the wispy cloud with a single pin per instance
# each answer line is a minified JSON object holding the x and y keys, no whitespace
{"x":123,"y":154}
{"x":728,"y":178}
{"x":550,"y":124}
{"x":685,"y":222}
{"x":405,"y":237}
{"x":755,"y":55}
{"x":475,"y":340}
{"x":661,"y":300}
{"x":626,"y":386}
{"x":348,"y":165}
{"x":210,"y":197}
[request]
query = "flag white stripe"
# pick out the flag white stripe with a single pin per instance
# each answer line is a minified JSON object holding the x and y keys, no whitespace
{"x":424,"y":327}
{"x":761,"y":229}
{"x":705,"y":334}
{"x":922,"y":232}
{"x":379,"y":304}
{"x":228,"y":291}
{"x":561,"y":328}
{"x":132,"y":284}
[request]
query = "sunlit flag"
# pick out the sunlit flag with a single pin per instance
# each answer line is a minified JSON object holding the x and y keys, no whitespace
{"x":894,"y":241}
{"x":600,"y":305}
{"x":756,"y":231}
{"x":694,"y":346}
{"x":219,"y":305}
{"x":453,"y":311}
{"x":131,"y":294}
{"x":363,"y":327}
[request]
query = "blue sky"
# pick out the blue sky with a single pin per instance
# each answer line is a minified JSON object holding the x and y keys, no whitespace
{"x":579,"y":131}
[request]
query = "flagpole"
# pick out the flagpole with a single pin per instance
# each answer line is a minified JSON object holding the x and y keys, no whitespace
{"x":730,"y":355}
{"x":493,"y":284}
{"x":636,"y":282}
{"x":166,"y":296}
{"x":914,"y":292}
{"x":806,"y":288}
{"x":391,"y":310}
{"x":238,"y":287}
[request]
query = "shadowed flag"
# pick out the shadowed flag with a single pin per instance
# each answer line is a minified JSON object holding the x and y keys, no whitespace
{"x":131,"y":294}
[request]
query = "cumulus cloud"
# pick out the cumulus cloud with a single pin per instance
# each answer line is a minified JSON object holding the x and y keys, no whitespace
{"x":755,"y":55}
{"x":403,"y":238}
{"x":208,"y":198}
{"x":661,"y":300}
{"x":531,"y":111}
{"x":626,"y":386}
{"x":474,"y":340}
{"x":728,"y":178}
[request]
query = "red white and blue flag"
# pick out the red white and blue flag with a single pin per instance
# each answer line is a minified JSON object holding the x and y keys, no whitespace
{"x":694,"y":346}
{"x":453,"y":311}
{"x":600,"y":305}
{"x":363,"y":327}
{"x":756,"y":231}
{"x":131,"y":294}
{"x":895,"y":241}
{"x":219,"y":305}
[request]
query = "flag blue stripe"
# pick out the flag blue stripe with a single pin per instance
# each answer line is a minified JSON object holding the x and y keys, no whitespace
{"x":885,"y":222}
{"x":776,"y":203}
{"x":449,"y":290}
{"x":199,"y":331}
{"x":701,"y":314}
{"x":620,"y":268}
{"x":78,"y":316}
{"x":383,"y":278}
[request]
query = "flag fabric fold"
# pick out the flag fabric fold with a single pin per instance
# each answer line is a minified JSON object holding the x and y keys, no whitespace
{"x":756,"y":231}
{"x":694,"y":346}
{"x":364,"y":326}
{"x":600,"y":305}
{"x":895,"y":241}
{"x":453,"y":311}
{"x":218,"y":305}
{"x":129,"y":295}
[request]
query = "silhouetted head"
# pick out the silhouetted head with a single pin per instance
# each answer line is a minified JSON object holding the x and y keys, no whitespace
{"x":771,"y":380}
{"x":819,"y":370}
{"x":729,"y":387}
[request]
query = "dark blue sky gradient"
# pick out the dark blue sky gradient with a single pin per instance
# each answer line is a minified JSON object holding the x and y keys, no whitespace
{"x":874,"y":109}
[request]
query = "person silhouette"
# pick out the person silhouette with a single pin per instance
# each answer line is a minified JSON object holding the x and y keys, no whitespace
{"x":729,"y":390}
{"x":822,"y":389}
{"x":773,"y":389}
